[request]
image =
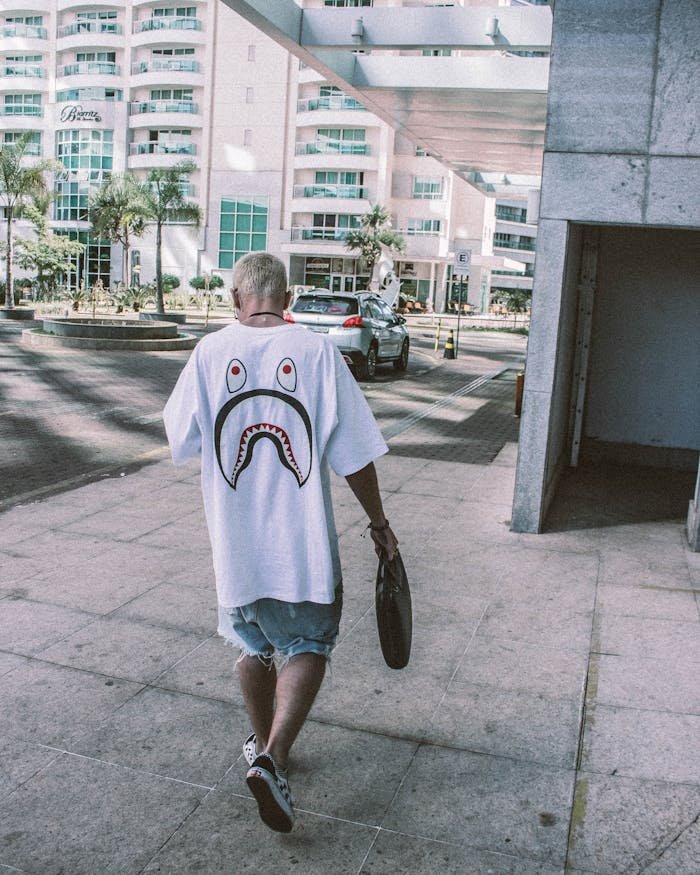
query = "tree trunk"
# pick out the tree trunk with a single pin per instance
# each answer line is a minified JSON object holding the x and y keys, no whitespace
{"x":160,"y":303}
{"x":9,"y":291}
{"x":125,"y":260}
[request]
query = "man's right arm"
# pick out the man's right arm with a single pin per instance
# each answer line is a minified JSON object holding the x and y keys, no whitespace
{"x":365,"y":488}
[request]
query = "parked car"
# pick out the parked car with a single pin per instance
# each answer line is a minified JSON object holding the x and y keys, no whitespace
{"x":362,"y":325}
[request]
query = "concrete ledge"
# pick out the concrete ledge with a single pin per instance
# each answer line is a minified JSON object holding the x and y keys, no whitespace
{"x":17,"y":314}
{"x":36,"y":337}
{"x":179,"y":318}
{"x":111,"y":329}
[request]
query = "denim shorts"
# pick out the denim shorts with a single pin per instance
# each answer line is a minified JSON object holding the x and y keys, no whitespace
{"x":266,"y":626}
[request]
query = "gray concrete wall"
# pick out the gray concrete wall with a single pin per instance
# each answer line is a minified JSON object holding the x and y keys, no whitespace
{"x":622,"y":148}
{"x":645,"y":352}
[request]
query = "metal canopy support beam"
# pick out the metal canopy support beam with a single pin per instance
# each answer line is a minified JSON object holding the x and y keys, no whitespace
{"x":498,"y":28}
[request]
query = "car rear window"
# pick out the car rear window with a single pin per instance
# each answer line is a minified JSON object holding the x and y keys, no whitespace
{"x":325,"y":304}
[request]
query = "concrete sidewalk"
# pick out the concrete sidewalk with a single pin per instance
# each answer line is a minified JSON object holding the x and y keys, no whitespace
{"x":547,"y":723}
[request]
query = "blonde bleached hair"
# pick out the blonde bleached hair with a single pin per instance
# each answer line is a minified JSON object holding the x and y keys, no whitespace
{"x":260,"y":275}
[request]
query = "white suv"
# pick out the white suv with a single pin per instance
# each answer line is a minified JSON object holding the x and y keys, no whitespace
{"x":363,"y":326}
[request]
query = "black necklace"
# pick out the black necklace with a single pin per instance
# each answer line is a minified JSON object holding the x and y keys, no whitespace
{"x":265,"y":313}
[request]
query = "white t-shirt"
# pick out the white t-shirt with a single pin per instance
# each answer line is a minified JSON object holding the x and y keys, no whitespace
{"x":270,"y":409}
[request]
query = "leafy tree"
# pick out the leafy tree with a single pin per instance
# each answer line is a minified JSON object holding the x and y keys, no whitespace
{"x":118,"y":213}
{"x":170,"y":282}
{"x":18,"y":181}
{"x":163,"y":201}
{"x":50,"y":254}
{"x":200,"y":282}
{"x":375,"y":229}
{"x":514,"y":300}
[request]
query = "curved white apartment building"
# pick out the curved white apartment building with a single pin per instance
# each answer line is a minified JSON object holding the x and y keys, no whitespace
{"x":285,"y":161}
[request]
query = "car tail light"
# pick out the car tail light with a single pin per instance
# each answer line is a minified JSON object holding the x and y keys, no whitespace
{"x":288,"y":317}
{"x":353,"y":322}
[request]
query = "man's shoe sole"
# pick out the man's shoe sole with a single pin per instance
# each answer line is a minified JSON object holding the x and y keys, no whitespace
{"x":263,"y":787}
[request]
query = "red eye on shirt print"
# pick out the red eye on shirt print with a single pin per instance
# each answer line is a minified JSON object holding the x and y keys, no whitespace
{"x":236,"y":375}
{"x":287,"y":375}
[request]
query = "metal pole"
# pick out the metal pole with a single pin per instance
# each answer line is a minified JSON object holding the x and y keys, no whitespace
{"x":459,"y":313}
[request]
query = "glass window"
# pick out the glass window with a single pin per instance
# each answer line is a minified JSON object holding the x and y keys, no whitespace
{"x":427,"y":187}
{"x":70,"y":94}
{"x":242,"y":228}
{"x":87,"y":157}
{"x":423,"y":226}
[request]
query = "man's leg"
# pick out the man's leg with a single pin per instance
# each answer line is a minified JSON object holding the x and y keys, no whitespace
{"x":258,"y":682}
{"x":297,"y":685}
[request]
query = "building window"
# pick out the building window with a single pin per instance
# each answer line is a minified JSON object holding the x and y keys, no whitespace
{"x":87,"y":157}
{"x":353,"y":3}
{"x":22,"y":104}
{"x":242,"y":228}
{"x":71,"y":94}
{"x":511,"y":214}
{"x":102,"y":15}
{"x":330,"y":226}
{"x":249,"y":95}
{"x":251,"y":52}
{"x":423,"y":227}
{"x":437,"y":53}
{"x":31,"y":20}
{"x":171,"y":94}
{"x":171,"y":52}
{"x":248,"y":137}
{"x":513,"y":241}
{"x":175,"y":12}
{"x":33,"y":140}
{"x":428,"y":187}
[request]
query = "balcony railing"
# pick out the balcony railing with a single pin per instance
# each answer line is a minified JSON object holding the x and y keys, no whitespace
{"x":163,"y":149}
{"x":21,"y":109}
{"x":29,"y":31}
{"x":23,"y":70}
{"x":333,"y":147}
{"x":89,"y":27}
{"x":167,"y":24}
{"x":524,"y":245}
{"x":300,"y":233}
{"x":506,"y":215}
{"x":331,"y":190}
{"x":101,"y":68}
{"x":169,"y":66}
{"x":163,"y":106}
{"x":315,"y":103}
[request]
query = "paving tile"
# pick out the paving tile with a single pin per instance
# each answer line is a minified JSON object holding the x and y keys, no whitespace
{"x":19,"y":761}
{"x":65,"y":551}
{"x":473,"y":520}
{"x":511,"y":723}
{"x":395,"y":852}
{"x":623,"y":825}
{"x":653,"y":602}
{"x":124,"y":648}
{"x":554,"y":626}
{"x":340,"y":772}
{"x":54,"y":705}
{"x":189,"y":529}
{"x":656,"y":745}
{"x":10,"y":661}
{"x":28,"y":627}
{"x":488,"y":802}
{"x":175,"y":735}
{"x":209,"y":671}
{"x":519,"y":666}
{"x":652,"y":638}
{"x":76,"y":804}
{"x":15,"y":571}
{"x":365,"y":694}
{"x":246,"y":845}
{"x":649,"y":684}
{"x":169,"y":604}
{"x":657,"y":563}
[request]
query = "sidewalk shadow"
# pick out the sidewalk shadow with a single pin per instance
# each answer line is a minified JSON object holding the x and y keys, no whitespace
{"x":601,"y":494}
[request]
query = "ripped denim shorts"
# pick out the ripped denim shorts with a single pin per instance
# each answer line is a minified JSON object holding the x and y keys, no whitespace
{"x":266,"y":626}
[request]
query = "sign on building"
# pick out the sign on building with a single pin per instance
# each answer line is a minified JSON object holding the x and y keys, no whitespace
{"x":462,"y":264}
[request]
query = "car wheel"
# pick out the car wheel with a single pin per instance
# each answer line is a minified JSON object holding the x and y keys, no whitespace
{"x":401,"y":363}
{"x":368,"y":367}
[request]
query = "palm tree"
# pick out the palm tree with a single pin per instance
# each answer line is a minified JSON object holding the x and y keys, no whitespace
{"x":163,"y":201}
{"x":18,"y":182}
{"x":118,"y":213}
{"x":375,"y":230}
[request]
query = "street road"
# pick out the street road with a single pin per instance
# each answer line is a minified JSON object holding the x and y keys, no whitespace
{"x":71,"y":416}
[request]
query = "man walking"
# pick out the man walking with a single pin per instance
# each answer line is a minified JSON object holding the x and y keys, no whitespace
{"x":270,"y":407}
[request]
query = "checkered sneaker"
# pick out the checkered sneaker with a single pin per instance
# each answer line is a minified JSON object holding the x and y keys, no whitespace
{"x":269,"y":786}
{"x":250,"y":749}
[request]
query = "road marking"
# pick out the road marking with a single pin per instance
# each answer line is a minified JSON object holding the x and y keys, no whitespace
{"x":412,"y":419}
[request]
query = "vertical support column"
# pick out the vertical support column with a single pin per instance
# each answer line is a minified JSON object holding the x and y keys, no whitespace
{"x":694,"y":518}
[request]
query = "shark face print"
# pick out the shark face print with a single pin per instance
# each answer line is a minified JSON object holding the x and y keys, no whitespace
{"x":262,"y":414}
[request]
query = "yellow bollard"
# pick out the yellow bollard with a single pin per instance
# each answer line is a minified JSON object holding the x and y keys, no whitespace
{"x":437,"y":336}
{"x":450,"y":345}
{"x":519,"y":385}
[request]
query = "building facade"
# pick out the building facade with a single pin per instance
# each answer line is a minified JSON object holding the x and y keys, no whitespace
{"x":284,"y":159}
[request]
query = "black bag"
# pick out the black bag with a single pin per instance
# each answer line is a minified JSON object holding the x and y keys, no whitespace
{"x":394,"y":616}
